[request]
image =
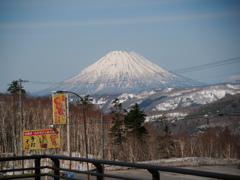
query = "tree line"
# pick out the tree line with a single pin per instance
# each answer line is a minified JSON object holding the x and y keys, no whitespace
{"x":127,"y":137}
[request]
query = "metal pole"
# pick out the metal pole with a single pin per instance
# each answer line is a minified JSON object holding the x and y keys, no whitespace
{"x":68,"y":133}
{"x":85,"y":131}
{"x":84,"y":118}
{"x":102,"y":122}
{"x":85,"y":135}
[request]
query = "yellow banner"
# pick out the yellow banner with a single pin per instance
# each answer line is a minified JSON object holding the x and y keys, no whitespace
{"x":41,"y":139}
{"x":59,"y":108}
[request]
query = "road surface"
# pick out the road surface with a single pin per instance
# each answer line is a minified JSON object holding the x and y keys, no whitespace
{"x":145,"y":175}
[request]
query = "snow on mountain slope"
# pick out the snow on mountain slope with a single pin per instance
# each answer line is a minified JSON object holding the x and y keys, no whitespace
{"x":122,"y":71}
{"x":162,"y":99}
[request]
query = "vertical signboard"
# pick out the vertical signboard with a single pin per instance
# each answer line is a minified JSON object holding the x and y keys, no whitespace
{"x":41,"y":139}
{"x":59,"y":103}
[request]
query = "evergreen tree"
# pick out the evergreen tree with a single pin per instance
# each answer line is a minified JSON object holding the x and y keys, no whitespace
{"x":117,"y":114}
{"x":86,"y":100}
{"x":134,"y":120}
{"x":14,"y":88}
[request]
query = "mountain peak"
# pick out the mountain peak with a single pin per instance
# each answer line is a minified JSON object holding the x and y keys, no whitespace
{"x":122,"y":71}
{"x":123,"y":65}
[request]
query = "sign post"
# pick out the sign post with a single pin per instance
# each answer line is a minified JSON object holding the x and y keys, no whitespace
{"x":61,"y":114}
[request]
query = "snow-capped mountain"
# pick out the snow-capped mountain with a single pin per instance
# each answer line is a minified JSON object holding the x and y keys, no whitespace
{"x":233,"y":79}
{"x":121,"y":71}
{"x":162,"y":99}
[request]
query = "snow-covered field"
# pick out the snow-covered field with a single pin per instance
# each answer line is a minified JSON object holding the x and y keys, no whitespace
{"x":183,"y":162}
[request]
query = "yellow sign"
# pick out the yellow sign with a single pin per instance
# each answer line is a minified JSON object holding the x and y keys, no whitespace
{"x":41,"y":139}
{"x":59,"y":108}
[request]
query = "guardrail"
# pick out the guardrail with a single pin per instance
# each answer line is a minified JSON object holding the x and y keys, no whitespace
{"x":99,"y":174}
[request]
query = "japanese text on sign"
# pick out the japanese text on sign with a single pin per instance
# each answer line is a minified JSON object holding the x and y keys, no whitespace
{"x":59,"y":108}
{"x":41,"y":139}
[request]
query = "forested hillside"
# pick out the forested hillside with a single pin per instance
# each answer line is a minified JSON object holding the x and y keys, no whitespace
{"x":215,"y":137}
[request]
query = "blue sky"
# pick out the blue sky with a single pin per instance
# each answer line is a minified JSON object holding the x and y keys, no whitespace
{"x":51,"y":40}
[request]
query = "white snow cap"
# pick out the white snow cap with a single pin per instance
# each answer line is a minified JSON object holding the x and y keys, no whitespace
{"x":117,"y":65}
{"x":122,"y":71}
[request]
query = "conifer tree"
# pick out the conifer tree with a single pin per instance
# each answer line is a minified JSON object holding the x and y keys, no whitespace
{"x":134,"y":120}
{"x":14,"y":88}
{"x":117,"y":114}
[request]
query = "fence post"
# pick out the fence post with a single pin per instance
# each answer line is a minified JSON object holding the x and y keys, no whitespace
{"x":56,"y":165}
{"x":37,"y":168}
{"x":155,"y":174}
{"x":99,"y":170}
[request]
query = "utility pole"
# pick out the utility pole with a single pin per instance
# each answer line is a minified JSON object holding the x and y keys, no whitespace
{"x":22,"y":125}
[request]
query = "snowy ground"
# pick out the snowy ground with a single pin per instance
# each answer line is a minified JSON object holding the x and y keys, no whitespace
{"x":173,"y":162}
{"x":187,"y":161}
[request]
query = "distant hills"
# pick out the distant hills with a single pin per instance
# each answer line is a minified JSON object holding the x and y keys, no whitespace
{"x":164,"y":99}
{"x":216,"y":116}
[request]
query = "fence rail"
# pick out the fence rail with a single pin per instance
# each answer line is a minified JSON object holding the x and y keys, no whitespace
{"x":99,"y":164}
